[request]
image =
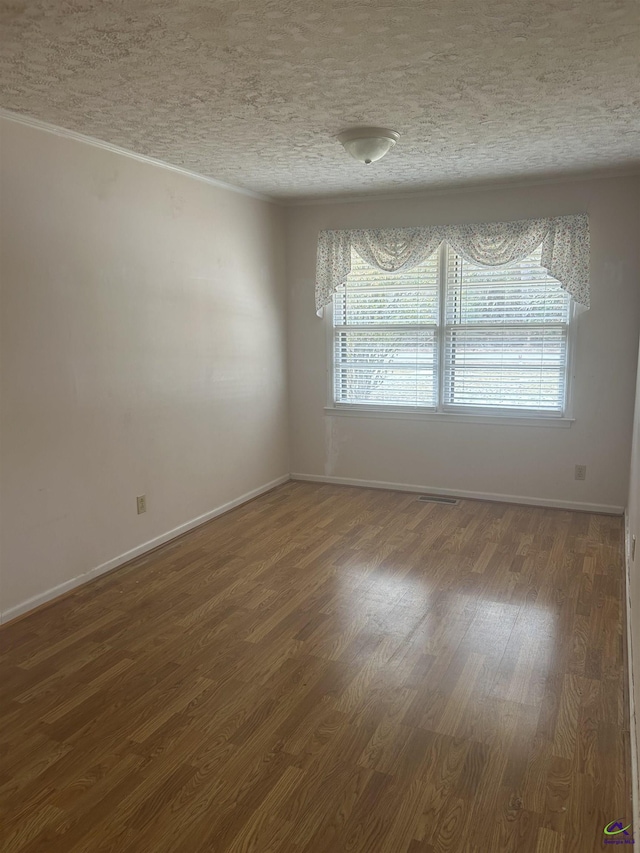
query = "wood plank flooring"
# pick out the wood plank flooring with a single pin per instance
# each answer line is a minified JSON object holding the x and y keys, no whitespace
{"x":328,"y":669}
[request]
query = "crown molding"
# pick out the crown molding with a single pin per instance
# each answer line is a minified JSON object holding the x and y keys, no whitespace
{"x":19,"y":118}
{"x":453,"y":189}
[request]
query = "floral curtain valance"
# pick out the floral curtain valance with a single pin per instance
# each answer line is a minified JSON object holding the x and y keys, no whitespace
{"x":564,"y":239}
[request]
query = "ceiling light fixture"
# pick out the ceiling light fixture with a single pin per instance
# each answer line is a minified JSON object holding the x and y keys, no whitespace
{"x":368,"y":144}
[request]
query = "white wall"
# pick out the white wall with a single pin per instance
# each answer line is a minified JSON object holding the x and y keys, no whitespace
{"x":633,"y":591}
{"x":532,"y":463}
{"x":143,"y":348}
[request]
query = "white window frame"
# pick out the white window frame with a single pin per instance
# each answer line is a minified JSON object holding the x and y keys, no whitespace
{"x":441,"y":412}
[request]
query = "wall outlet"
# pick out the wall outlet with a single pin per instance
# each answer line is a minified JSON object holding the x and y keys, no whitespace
{"x":142,"y":504}
{"x":581,"y":472}
{"x":633,"y":547}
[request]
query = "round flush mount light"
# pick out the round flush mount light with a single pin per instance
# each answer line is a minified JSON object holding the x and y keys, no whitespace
{"x":368,"y":144}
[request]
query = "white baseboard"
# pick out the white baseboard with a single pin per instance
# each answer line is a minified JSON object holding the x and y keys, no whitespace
{"x":60,"y":589}
{"x":54,"y":592}
{"x":461,"y":493}
{"x":633,"y":726}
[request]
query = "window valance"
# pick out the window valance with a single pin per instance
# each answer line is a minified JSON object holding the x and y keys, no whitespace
{"x":564,"y":239}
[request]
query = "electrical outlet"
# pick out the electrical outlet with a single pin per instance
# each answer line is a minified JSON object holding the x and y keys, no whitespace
{"x":633,"y":547}
{"x":142,"y":504}
{"x":581,"y":472}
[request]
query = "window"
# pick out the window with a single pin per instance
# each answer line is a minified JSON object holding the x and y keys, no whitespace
{"x":452,"y":336}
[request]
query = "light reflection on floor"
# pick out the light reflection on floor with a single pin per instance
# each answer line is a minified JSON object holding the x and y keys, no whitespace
{"x":503,"y":650}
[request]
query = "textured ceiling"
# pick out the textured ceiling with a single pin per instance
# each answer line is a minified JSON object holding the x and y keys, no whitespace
{"x":252,"y":92}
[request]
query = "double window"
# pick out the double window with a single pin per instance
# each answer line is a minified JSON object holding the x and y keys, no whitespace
{"x":452,"y":336}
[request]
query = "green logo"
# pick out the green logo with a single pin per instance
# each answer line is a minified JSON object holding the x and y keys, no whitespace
{"x":616,"y":827}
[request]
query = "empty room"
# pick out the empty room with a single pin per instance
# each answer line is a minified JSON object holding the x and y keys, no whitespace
{"x":319,"y":426}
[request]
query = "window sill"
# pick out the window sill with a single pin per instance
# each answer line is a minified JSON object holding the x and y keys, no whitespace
{"x":444,"y":417}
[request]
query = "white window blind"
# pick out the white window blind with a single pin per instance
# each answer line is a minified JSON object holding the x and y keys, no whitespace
{"x":386,"y":336}
{"x":452,"y":336}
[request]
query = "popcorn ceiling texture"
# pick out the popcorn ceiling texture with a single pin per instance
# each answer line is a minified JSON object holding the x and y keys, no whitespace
{"x":252,"y":92}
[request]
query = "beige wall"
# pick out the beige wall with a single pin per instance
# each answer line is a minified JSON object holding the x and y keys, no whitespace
{"x":534,"y":463}
{"x":143,"y":352}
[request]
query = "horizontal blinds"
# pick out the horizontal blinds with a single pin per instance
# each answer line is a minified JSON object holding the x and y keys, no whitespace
{"x":386,"y":367}
{"x":505,"y":341}
{"x":385,"y":336}
{"x":502,"y":338}
{"x":522,"y":293}
{"x":505,"y":368}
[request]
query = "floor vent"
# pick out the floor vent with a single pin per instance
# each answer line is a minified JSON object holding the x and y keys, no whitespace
{"x":436,"y":499}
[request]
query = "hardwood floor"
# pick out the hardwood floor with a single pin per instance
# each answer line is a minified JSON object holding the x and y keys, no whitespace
{"x":328,"y":669}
